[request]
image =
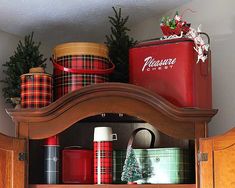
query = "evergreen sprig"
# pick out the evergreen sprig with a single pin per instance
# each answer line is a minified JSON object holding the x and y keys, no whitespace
{"x":119,"y":43}
{"x":26,"y":56}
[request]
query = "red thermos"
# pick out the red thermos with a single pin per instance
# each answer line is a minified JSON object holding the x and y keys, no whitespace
{"x":103,"y":154}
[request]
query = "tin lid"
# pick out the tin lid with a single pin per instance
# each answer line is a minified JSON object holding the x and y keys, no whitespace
{"x":73,"y":148}
{"x":76,"y":148}
{"x":52,"y":141}
{"x":80,"y":48}
{"x":153,"y":42}
{"x":36,"y":71}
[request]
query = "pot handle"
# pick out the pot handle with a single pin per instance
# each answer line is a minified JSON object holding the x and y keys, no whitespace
{"x":130,"y":142}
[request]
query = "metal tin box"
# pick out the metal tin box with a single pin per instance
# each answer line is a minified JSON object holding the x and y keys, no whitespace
{"x":77,"y":166}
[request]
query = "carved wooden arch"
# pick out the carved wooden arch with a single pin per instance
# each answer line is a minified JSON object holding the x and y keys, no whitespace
{"x":110,"y":98}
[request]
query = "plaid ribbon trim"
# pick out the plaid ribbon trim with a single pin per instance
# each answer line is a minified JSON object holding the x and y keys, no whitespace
{"x":65,"y":82}
{"x":103,"y":162}
{"x":36,"y":90}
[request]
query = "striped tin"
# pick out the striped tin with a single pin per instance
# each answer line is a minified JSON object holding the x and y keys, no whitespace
{"x":36,"y":90}
{"x":160,"y":165}
{"x":79,"y":64}
{"x":103,"y":162}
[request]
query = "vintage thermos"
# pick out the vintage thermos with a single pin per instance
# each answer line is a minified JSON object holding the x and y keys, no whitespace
{"x":103,"y":151}
{"x":51,"y":160}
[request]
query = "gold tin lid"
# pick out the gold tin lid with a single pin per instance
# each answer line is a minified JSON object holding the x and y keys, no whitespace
{"x":36,"y":71}
{"x":80,"y":48}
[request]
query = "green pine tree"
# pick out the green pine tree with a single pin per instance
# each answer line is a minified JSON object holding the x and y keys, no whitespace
{"x":119,"y":44}
{"x":131,"y":170}
{"x":26,"y":56}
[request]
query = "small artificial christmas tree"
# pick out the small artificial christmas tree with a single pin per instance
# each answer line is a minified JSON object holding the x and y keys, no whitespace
{"x":131,"y":170}
{"x":119,"y":44}
{"x":26,"y":56}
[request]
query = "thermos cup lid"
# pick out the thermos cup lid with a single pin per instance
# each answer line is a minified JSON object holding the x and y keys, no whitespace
{"x":52,"y":141}
{"x":104,"y":134}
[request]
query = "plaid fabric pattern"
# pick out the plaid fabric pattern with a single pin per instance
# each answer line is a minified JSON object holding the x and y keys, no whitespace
{"x":160,"y":165}
{"x":65,"y":82}
{"x":103,"y":162}
{"x":36,"y":90}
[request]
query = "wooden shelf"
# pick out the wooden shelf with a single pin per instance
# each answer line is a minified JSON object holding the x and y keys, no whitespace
{"x":114,"y":185}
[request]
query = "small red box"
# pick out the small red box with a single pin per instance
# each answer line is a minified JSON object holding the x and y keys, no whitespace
{"x":77,"y":166}
{"x":169,"y":68}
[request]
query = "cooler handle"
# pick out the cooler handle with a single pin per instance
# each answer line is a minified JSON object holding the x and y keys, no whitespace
{"x":205,"y":68}
{"x":83,"y":71}
{"x":130,"y":142}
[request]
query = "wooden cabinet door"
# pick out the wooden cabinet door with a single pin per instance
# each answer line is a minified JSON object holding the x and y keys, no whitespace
{"x":12,"y":163}
{"x":217,"y":165}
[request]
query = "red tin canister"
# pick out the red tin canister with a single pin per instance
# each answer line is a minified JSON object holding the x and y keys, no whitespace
{"x":36,"y":89}
{"x":169,"y":68}
{"x":79,"y":64}
{"x":77,"y":165}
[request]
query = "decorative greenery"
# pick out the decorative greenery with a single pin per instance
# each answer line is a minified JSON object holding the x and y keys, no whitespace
{"x":119,"y":44}
{"x":131,"y":170}
{"x":26,"y":56}
{"x":174,"y":26}
{"x":172,"y":23}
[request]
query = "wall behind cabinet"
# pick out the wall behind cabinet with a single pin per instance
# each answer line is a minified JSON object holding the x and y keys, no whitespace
{"x":8,"y":44}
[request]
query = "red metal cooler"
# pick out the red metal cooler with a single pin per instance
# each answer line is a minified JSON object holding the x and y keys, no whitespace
{"x":169,"y":68}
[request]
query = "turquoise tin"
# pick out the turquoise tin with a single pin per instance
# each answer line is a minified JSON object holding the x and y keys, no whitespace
{"x":158,"y":165}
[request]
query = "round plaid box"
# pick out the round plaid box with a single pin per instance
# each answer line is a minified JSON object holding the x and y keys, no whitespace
{"x":79,"y":64}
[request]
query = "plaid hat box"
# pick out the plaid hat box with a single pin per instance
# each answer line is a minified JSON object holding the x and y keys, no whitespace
{"x":36,"y":89}
{"x":78,"y":64}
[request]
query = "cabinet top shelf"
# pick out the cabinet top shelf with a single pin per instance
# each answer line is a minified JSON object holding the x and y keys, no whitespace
{"x":108,"y":98}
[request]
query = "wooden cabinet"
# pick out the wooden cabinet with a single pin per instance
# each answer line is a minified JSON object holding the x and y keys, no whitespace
{"x":182,"y":123}
{"x":12,"y":162}
{"x":218,"y":169}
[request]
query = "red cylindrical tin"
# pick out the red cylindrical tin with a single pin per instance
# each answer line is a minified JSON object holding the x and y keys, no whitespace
{"x":36,"y":90}
{"x":79,"y":64}
{"x":77,"y":165}
{"x":169,"y":68}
